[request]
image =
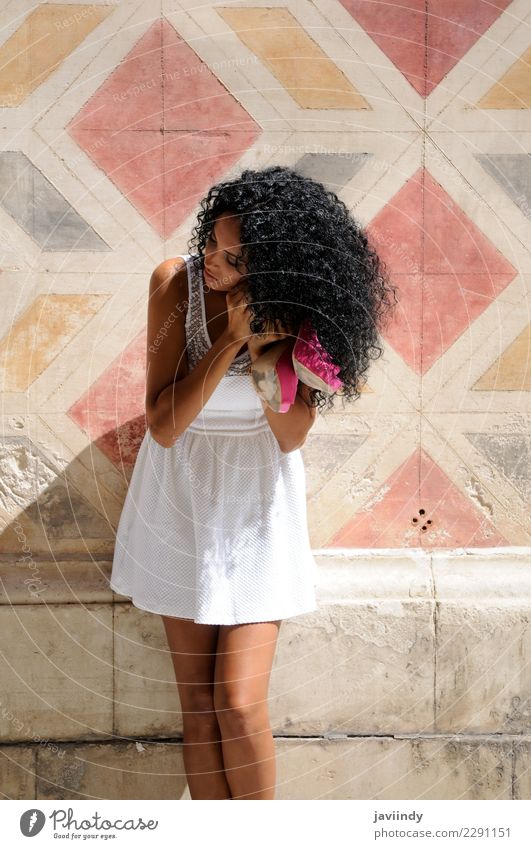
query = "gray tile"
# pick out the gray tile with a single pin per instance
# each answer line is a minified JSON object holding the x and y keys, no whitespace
{"x":335,"y":170}
{"x":510,"y":454}
{"x":41,"y":210}
{"x":513,"y":173}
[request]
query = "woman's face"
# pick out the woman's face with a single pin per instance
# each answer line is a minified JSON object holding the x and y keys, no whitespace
{"x":224,"y":264}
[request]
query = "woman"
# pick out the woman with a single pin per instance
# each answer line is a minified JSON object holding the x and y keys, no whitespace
{"x":213,"y":535}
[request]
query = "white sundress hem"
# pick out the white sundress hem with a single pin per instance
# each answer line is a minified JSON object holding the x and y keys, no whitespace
{"x":203,"y":622}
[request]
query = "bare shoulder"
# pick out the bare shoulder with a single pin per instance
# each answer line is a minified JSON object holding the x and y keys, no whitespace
{"x":171,"y":274}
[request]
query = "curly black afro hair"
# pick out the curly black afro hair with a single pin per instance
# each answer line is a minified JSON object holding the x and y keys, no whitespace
{"x":306,"y":257}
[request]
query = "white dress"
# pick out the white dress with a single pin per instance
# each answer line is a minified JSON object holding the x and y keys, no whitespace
{"x":214,"y":528}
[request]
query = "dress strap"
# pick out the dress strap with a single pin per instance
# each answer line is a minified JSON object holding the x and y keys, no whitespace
{"x":196,"y":339}
{"x":197,"y":336}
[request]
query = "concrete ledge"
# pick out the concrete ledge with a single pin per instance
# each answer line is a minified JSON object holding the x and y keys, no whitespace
{"x":456,"y":767}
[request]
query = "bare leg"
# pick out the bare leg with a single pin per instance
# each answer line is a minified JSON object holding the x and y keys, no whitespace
{"x":243,"y":665}
{"x":193,"y":651}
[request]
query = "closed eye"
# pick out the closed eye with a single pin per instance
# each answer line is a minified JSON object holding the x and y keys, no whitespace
{"x":232,"y":264}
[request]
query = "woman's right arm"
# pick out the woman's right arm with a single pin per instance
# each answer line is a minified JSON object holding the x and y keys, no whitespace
{"x":174,"y":396}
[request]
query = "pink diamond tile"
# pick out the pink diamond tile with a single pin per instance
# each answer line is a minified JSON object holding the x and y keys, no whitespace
{"x":458,"y":271}
{"x":425,"y":38}
{"x":453,"y":27}
{"x":112,"y":410}
{"x":163,"y":128}
{"x":398,"y":228}
{"x":194,"y":99}
{"x":458,"y":299}
{"x":192,"y":163}
{"x":398,"y":28}
{"x":453,"y":243}
{"x":134,"y":161}
{"x":418,"y":484}
{"x":130,"y":98}
{"x":404,"y":331}
{"x":120,"y":127}
{"x":455,"y":519}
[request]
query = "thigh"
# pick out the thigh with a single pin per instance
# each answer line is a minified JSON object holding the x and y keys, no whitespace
{"x":244,"y":660}
{"x":193,"y":652}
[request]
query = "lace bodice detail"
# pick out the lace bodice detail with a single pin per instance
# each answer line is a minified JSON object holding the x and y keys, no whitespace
{"x":197,"y":338}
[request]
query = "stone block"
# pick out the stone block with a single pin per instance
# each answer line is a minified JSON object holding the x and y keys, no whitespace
{"x":387,"y":768}
{"x":57,"y":678}
{"x":483,"y":626}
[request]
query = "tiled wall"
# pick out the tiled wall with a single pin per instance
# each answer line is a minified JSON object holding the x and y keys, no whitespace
{"x":117,"y":118}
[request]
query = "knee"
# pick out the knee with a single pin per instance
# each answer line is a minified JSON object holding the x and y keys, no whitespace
{"x":197,"y":704}
{"x":239,"y":711}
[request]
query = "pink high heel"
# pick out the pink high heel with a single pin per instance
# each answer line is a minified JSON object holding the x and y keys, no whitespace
{"x":312,"y":364}
{"x":274,"y":377}
{"x":276,"y":372}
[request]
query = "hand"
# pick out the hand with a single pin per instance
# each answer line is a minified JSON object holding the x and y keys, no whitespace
{"x":238,"y":314}
{"x":239,"y":318}
{"x":259,"y":342}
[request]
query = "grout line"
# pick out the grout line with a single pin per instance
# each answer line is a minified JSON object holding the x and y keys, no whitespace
{"x":330,"y":737}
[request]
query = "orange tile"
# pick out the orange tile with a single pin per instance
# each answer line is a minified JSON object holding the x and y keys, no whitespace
{"x":40,"y":334}
{"x":306,"y":72}
{"x":513,"y":90}
{"x":44,"y":39}
{"x":512,"y":370}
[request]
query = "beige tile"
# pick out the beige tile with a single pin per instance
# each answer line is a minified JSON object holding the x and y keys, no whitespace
{"x":487,"y":61}
{"x":273,"y":34}
{"x":344,"y":56}
{"x":40,"y":44}
{"x":513,"y":89}
{"x":48,"y":324}
{"x":451,"y":385}
{"x":389,"y":441}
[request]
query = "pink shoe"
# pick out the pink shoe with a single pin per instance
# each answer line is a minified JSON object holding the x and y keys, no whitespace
{"x":312,"y":364}
{"x":274,"y":377}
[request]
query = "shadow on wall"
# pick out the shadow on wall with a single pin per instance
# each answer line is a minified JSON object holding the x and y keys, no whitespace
{"x":75,"y":666}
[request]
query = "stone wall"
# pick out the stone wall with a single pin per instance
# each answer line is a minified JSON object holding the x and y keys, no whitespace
{"x":410,"y":681}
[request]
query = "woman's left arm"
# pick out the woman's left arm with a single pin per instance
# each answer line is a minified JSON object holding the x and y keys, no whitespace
{"x":291,"y":428}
